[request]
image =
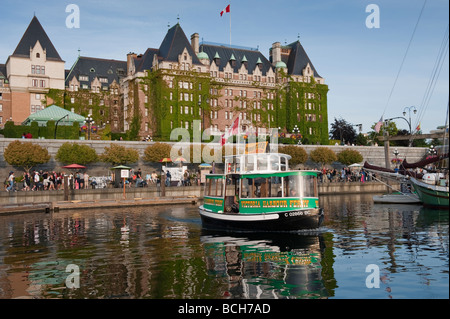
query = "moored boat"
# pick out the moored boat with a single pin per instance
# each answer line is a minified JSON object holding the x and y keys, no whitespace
{"x":432,"y":189}
{"x":257,"y":192}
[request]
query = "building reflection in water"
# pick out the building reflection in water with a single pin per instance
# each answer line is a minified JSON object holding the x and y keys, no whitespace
{"x":165,"y":253}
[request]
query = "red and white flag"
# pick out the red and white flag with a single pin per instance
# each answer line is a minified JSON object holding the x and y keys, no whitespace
{"x":227,"y":9}
{"x":233,"y":130}
{"x":378,"y":125}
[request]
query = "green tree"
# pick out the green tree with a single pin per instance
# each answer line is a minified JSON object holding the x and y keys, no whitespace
{"x":343,"y":131}
{"x":323,"y":155}
{"x":298,"y":154}
{"x":156,"y":152}
{"x":25,"y":155}
{"x":119,"y":155}
{"x":348,"y":157}
{"x":70,"y":153}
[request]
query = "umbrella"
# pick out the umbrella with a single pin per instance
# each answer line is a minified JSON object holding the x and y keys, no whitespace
{"x":74,"y":166}
{"x":355,"y":165}
{"x":180,"y":159}
{"x":205,"y":165}
{"x":165,"y":160}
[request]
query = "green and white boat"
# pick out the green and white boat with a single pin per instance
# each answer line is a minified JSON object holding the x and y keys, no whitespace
{"x":257,"y":192}
{"x":432,"y":189}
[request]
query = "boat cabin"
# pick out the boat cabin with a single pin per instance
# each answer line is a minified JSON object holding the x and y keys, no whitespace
{"x":260,"y":182}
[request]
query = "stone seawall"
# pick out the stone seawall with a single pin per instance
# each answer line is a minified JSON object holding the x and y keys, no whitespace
{"x":154,"y":192}
{"x":372,"y":154}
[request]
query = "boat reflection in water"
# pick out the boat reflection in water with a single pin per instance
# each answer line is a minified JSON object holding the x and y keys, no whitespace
{"x":266,"y":265}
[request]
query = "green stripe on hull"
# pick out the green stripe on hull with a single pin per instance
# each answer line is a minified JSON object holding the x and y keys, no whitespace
{"x":264,"y":205}
{"x":432,"y":197}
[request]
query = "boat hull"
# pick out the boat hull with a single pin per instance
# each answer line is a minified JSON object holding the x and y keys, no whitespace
{"x":397,"y":199}
{"x":278,"y":221}
{"x":431,"y":195}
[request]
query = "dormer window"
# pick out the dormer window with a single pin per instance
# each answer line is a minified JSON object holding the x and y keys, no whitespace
{"x":38,"y":55}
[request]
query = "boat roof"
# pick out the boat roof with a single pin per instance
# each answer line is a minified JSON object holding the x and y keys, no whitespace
{"x":260,"y":155}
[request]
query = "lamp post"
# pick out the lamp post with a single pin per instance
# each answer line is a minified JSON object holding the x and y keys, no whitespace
{"x":89,"y":121}
{"x":396,"y":157}
{"x":413,"y":108}
{"x":296,"y":131}
{"x":409,"y":115}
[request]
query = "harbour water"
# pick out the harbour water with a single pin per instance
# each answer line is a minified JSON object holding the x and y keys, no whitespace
{"x":363,"y":251}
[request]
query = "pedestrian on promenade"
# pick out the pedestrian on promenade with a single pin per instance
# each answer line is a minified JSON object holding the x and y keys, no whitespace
{"x":11,"y":178}
{"x":168,"y":177}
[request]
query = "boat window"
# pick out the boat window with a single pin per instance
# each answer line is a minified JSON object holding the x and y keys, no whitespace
{"x":214,"y":187}
{"x":300,"y":186}
{"x":275,"y":187}
{"x":261,"y":187}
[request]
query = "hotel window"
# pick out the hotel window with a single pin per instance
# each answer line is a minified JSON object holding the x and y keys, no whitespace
{"x":33,"y":69}
{"x":146,"y":126}
{"x":1,"y":96}
{"x":103,"y":80}
{"x":72,"y":100}
{"x":83,"y":78}
{"x":1,"y":107}
{"x":42,"y":69}
{"x":186,"y":110}
{"x":171,"y":109}
{"x":42,"y":83}
{"x":35,"y":83}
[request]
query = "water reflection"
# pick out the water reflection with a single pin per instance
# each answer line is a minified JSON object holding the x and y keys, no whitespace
{"x":267,"y":265}
{"x":164,"y":253}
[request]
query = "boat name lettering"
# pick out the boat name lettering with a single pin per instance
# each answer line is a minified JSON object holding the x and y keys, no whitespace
{"x":274,"y":203}
{"x":214,"y":202}
{"x":250,"y":204}
{"x":301,"y":203}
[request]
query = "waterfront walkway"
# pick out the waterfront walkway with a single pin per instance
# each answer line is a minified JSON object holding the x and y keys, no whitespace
{"x":53,"y":200}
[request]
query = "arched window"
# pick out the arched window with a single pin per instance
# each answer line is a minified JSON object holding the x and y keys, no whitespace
{"x":38,"y":55}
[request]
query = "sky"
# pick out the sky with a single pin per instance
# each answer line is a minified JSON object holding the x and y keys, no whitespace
{"x":377,"y":62}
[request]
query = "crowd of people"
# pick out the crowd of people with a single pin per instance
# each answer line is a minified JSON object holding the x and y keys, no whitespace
{"x":44,"y":180}
{"x":331,"y":175}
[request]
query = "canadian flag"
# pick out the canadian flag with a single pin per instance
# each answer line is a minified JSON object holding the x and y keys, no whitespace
{"x":233,"y":130}
{"x":227,"y":9}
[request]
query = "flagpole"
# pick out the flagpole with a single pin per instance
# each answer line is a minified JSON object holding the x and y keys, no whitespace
{"x":230,"y":26}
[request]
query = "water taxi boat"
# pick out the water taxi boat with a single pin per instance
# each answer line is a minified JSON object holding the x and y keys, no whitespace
{"x":257,"y":192}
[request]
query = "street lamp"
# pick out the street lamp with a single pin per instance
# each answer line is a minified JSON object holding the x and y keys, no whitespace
{"x":407,"y":121}
{"x":89,"y":121}
{"x":396,"y":158}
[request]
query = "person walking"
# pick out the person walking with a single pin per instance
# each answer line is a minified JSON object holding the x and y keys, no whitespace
{"x":11,"y":178}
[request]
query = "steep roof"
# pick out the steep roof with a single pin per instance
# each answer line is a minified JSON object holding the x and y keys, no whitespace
{"x":298,"y":60}
{"x":95,"y":67}
{"x":174,"y":43}
{"x":2,"y":71}
{"x":227,"y":53}
{"x":35,"y":32}
{"x":145,"y":62}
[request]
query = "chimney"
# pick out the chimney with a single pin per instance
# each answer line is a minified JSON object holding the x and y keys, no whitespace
{"x":131,"y":68}
{"x":276,"y":53}
{"x":195,"y":43}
